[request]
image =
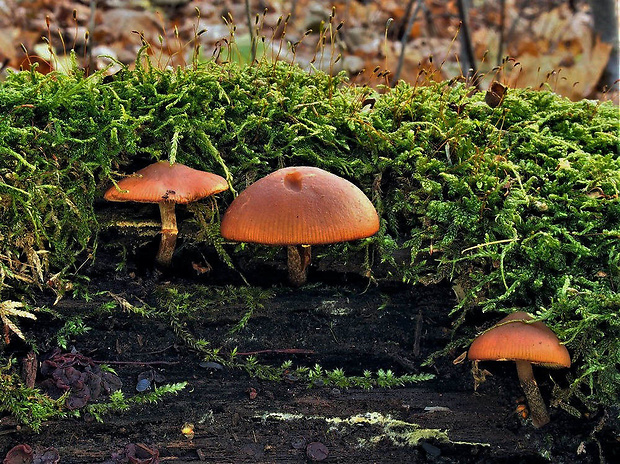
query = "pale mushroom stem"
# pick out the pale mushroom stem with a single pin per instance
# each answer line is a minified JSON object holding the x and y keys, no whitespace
{"x":299,"y":257}
{"x":538,"y":410}
{"x":169,"y":233}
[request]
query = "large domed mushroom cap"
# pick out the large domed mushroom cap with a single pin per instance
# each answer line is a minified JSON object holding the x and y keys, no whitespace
{"x":515,"y":339}
{"x":300,"y":206}
{"x":162,"y":181}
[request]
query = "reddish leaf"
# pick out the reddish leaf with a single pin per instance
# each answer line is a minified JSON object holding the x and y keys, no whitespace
{"x":20,"y":454}
{"x":46,"y":456}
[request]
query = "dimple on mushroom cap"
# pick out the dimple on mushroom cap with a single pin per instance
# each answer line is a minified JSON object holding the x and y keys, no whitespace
{"x":162,"y":181}
{"x":300,"y":206}
{"x":512,"y":339}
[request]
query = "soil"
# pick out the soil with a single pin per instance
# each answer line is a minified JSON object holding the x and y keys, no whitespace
{"x":345,"y":322}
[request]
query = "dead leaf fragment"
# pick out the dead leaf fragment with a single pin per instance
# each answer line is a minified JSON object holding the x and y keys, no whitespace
{"x":460,"y":358}
{"x":480,"y":375}
{"x":495,"y":95}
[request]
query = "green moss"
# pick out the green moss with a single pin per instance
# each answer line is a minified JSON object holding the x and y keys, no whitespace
{"x":28,"y":405}
{"x":32,"y":408}
{"x":518,"y":205}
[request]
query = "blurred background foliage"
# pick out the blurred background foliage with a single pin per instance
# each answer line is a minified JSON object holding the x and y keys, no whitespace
{"x":570,"y":45}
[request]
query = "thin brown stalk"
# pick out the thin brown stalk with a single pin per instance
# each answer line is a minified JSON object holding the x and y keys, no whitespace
{"x":403,"y":40}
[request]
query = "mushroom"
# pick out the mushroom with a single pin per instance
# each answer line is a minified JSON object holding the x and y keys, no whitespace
{"x":167,"y":184}
{"x":515,"y":338}
{"x":298,"y":207}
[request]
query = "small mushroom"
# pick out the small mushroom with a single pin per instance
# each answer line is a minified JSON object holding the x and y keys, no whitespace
{"x":516,"y":338}
{"x":298,"y":207}
{"x":167,"y":184}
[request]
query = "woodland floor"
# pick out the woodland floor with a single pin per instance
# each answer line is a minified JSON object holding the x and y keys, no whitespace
{"x":346,"y":323}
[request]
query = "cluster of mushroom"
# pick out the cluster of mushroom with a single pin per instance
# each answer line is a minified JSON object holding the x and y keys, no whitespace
{"x":296,"y":207}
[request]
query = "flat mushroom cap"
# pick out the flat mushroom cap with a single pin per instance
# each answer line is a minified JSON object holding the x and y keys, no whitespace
{"x":300,"y":206}
{"x":162,"y":181}
{"x":511,"y":339}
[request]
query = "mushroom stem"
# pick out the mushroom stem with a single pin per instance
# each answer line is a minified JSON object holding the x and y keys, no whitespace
{"x":169,"y":233}
{"x":538,"y":410}
{"x":298,"y":260}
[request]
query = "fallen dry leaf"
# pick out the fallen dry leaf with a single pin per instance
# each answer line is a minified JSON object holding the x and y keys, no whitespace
{"x":576,"y":81}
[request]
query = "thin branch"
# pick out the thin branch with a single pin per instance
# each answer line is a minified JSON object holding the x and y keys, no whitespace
{"x":403,"y":39}
{"x":138,"y":363}
{"x":90,"y":44}
{"x":502,"y":31}
{"x":248,"y":13}
{"x":281,"y":351}
{"x":467,"y":45}
{"x":417,"y":334}
{"x":293,"y":9}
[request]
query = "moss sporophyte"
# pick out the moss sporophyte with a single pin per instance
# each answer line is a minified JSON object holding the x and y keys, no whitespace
{"x":517,"y":205}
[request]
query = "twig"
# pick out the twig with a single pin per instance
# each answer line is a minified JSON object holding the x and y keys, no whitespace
{"x":138,"y":363}
{"x":502,"y":31}
{"x":294,"y":8}
{"x":431,"y":30}
{"x":417,"y":334}
{"x":158,"y":351}
{"x":467,"y":45}
{"x":403,"y":39}
{"x":281,"y":351}
{"x":12,"y":430}
{"x":90,"y":64}
{"x":248,"y":13}
{"x":401,"y":361}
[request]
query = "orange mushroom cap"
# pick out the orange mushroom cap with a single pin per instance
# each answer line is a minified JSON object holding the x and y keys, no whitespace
{"x":512,"y":339}
{"x":162,"y":181}
{"x":300,"y":206}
